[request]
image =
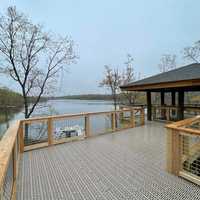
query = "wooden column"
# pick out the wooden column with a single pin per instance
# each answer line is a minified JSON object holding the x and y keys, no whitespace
{"x":180,"y":105}
{"x":162,"y":103}
{"x":173,"y":96}
{"x":162,"y":98}
{"x":149,"y":105}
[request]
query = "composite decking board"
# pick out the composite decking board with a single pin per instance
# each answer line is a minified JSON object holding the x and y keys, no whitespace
{"x":125,"y":165}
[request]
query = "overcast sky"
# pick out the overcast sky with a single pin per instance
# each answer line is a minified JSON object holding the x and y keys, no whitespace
{"x":106,"y":30}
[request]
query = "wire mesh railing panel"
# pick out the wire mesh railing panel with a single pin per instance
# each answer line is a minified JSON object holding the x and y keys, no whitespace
{"x":165,"y":113}
{"x":123,"y":119}
{"x":156,"y":113}
{"x":188,"y":113}
{"x":138,"y":117}
{"x":190,"y":153}
{"x":68,"y":128}
{"x":35,"y":132}
{"x":173,"y":114}
{"x":100,"y":124}
{"x":8,"y":181}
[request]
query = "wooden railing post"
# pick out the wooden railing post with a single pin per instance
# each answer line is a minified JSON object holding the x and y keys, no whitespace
{"x":21,"y":137}
{"x":173,"y":152}
{"x":50,"y":131}
{"x":132,"y":118}
{"x":113,"y":121}
{"x":87,"y":125}
{"x":14,"y":170}
{"x":142,"y":116}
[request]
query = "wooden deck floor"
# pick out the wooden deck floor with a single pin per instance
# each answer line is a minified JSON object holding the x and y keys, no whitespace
{"x":126,"y":165}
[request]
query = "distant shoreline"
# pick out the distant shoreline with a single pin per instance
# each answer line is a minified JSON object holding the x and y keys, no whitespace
{"x":85,"y":97}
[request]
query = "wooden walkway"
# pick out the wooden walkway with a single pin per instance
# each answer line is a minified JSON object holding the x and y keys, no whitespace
{"x":125,"y":165}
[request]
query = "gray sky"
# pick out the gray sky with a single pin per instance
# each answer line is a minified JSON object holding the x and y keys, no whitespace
{"x":105,"y":31}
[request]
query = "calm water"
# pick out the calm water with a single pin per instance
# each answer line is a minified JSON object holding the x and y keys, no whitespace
{"x":55,"y":107}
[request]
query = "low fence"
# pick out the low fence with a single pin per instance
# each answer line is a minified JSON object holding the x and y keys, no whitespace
{"x":9,"y":161}
{"x":170,"y":113}
{"x":39,"y":132}
{"x":45,"y":131}
{"x":167,"y":113}
{"x":183,"y":149}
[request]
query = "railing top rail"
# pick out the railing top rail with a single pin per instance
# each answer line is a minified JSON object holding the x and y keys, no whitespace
{"x":181,"y":125}
{"x":6,"y":146}
{"x":76,"y":115}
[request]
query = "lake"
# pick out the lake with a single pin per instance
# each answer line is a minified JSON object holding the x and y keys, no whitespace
{"x":63,"y":106}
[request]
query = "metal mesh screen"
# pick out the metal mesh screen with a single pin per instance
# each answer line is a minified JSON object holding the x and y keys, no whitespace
{"x":35,"y":133}
{"x":100,"y":124}
{"x":68,"y":128}
{"x":191,"y":153}
{"x":8,"y":182}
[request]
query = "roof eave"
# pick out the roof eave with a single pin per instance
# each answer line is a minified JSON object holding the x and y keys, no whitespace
{"x":162,"y":85}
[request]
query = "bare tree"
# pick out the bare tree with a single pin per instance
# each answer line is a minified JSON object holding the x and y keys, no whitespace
{"x":112,"y":81}
{"x":32,"y":57}
{"x":128,"y":76}
{"x":167,"y":63}
{"x":192,"y":53}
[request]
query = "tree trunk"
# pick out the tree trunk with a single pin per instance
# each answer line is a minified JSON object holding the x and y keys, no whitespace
{"x":26,"y":117}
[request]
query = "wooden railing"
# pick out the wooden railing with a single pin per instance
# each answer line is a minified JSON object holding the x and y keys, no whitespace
{"x":170,"y":113}
{"x":90,"y":124}
{"x":9,"y":161}
{"x":167,"y":113}
{"x":39,"y":132}
{"x":183,"y":149}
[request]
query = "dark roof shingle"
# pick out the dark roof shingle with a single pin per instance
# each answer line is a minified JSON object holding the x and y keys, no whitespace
{"x":188,"y":72}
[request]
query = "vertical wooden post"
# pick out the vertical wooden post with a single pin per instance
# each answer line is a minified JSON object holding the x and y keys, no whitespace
{"x":21,"y":137}
{"x":14,"y":162}
{"x":180,"y":105}
{"x":162,"y":103}
{"x":162,"y":98}
{"x":132,"y":118}
{"x":173,"y":152}
{"x":113,"y":121}
{"x":50,"y":131}
{"x":173,"y":95}
{"x":142,"y":117}
{"x":87,"y":126}
{"x":149,"y":105}
{"x":14,"y":152}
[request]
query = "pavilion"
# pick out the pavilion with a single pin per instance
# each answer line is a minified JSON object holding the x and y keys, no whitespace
{"x":176,"y":82}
